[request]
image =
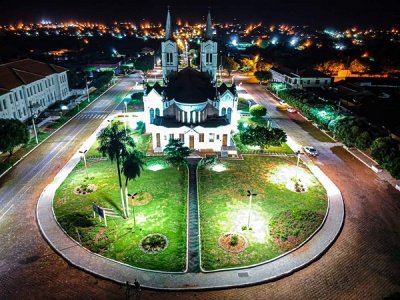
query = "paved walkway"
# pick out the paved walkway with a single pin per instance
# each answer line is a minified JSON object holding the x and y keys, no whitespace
{"x":282,"y":266}
{"x":193,"y":234}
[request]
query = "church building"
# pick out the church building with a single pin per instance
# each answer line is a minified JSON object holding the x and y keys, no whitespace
{"x":190,"y":105}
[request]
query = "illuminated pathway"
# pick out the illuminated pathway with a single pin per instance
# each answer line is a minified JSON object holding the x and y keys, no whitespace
{"x":193,"y":231}
{"x":284,"y":265}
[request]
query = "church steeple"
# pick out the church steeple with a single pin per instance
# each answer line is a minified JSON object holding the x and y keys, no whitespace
{"x":168,"y":32}
{"x":209,"y":31}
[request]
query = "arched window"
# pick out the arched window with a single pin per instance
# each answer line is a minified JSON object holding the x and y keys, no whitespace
{"x":151,"y":115}
{"x":229,"y":114}
{"x":157,"y":112}
{"x":223,"y":112}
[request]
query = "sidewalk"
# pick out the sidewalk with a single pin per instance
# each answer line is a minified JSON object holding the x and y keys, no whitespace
{"x":279,"y":267}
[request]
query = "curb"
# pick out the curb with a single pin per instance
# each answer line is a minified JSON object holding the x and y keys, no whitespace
{"x":119,"y":272}
{"x":59,"y":128}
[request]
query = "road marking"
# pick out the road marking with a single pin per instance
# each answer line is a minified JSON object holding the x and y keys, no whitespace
{"x":6,"y":211}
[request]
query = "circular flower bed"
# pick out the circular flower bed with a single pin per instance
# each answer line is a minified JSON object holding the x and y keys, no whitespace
{"x":85,"y":189}
{"x":296,"y":185}
{"x":143,"y":199}
{"x":153,"y":243}
{"x":232,"y":242}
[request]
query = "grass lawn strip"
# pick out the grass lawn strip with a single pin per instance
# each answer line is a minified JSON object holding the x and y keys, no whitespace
{"x":165,"y":214}
{"x":224,"y":207}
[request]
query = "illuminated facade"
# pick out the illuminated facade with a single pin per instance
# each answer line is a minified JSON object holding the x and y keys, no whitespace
{"x":28,"y":87}
{"x":190,"y":105}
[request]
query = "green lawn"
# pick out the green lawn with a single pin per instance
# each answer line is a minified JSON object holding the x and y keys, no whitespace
{"x":165,"y":214}
{"x":224,"y":208}
{"x":283,"y":149}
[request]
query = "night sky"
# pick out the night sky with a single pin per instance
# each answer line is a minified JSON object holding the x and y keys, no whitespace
{"x":382,"y":13}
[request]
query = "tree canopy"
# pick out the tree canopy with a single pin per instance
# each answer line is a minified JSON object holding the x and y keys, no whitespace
{"x":144,"y":63}
{"x":263,"y":136}
{"x":12,"y":134}
{"x":262,"y":75}
{"x":258,"y":111}
{"x":176,"y":152}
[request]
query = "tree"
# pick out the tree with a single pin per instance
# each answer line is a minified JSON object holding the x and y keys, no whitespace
{"x":115,"y":144}
{"x":258,"y":111}
{"x":357,"y":66}
{"x":262,"y":75}
{"x":229,"y":64}
{"x":331,"y":67}
{"x":263,"y":66}
{"x":145,"y":63}
{"x":263,"y":136}
{"x":132,"y":166}
{"x":247,"y":65}
{"x":176,"y":152}
{"x":12,"y":134}
{"x":103,"y":79}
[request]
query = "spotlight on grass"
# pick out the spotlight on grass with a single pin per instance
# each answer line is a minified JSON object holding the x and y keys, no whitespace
{"x":218,"y":168}
{"x":156,"y":166}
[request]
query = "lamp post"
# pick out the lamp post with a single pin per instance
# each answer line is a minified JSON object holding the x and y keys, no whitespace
{"x":87,"y":90}
{"x":126,"y":111}
{"x":33,"y":122}
{"x":233,"y":79}
{"x":133,"y":207}
{"x":83,"y":152}
{"x":250,"y":195}
{"x":298,"y":161}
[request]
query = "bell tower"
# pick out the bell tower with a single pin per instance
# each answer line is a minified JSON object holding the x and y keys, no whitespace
{"x":209,"y":51}
{"x":169,"y":51}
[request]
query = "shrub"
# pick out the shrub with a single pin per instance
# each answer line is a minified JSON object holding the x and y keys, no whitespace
{"x":258,"y":111}
{"x":140,"y":127}
{"x":234,"y":240}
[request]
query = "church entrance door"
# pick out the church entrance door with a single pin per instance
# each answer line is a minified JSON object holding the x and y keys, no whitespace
{"x":224,"y":140}
{"x":158,"y":140}
{"x":191,"y":141}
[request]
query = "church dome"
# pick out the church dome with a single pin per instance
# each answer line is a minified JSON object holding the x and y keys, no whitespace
{"x":190,"y":86}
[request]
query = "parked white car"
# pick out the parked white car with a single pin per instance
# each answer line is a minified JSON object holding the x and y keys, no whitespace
{"x":310,"y":150}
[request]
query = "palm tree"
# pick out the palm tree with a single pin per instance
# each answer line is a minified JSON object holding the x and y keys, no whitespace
{"x":131,"y":167}
{"x":114,"y":144}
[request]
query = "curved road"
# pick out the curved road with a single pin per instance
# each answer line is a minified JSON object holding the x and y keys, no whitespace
{"x":364,"y":262}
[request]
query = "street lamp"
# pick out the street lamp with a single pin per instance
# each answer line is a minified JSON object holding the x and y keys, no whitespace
{"x":133,"y":207}
{"x":83,"y":152}
{"x":233,"y":79}
{"x":298,"y":160}
{"x":126,"y":111}
{"x":33,"y":122}
{"x":250,"y":195}
{"x":87,"y":89}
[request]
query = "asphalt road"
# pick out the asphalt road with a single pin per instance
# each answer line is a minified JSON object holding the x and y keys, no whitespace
{"x":20,"y":240}
{"x":364,"y":262}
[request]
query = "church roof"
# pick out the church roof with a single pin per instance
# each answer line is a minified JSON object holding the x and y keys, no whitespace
{"x":171,"y":122}
{"x":159,"y":89}
{"x":190,"y":86}
{"x":223,"y":88}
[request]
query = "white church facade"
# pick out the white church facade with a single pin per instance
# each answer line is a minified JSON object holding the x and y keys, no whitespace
{"x":190,"y":106}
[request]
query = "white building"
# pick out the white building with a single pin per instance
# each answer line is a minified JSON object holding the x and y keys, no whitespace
{"x":300,"y":79}
{"x":28,"y":87}
{"x":190,"y":106}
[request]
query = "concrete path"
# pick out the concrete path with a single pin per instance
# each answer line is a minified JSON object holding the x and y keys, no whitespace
{"x":282,"y":266}
{"x":193,"y":233}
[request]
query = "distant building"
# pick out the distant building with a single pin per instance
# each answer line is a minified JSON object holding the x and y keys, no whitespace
{"x":299,"y":79}
{"x":28,"y":87}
